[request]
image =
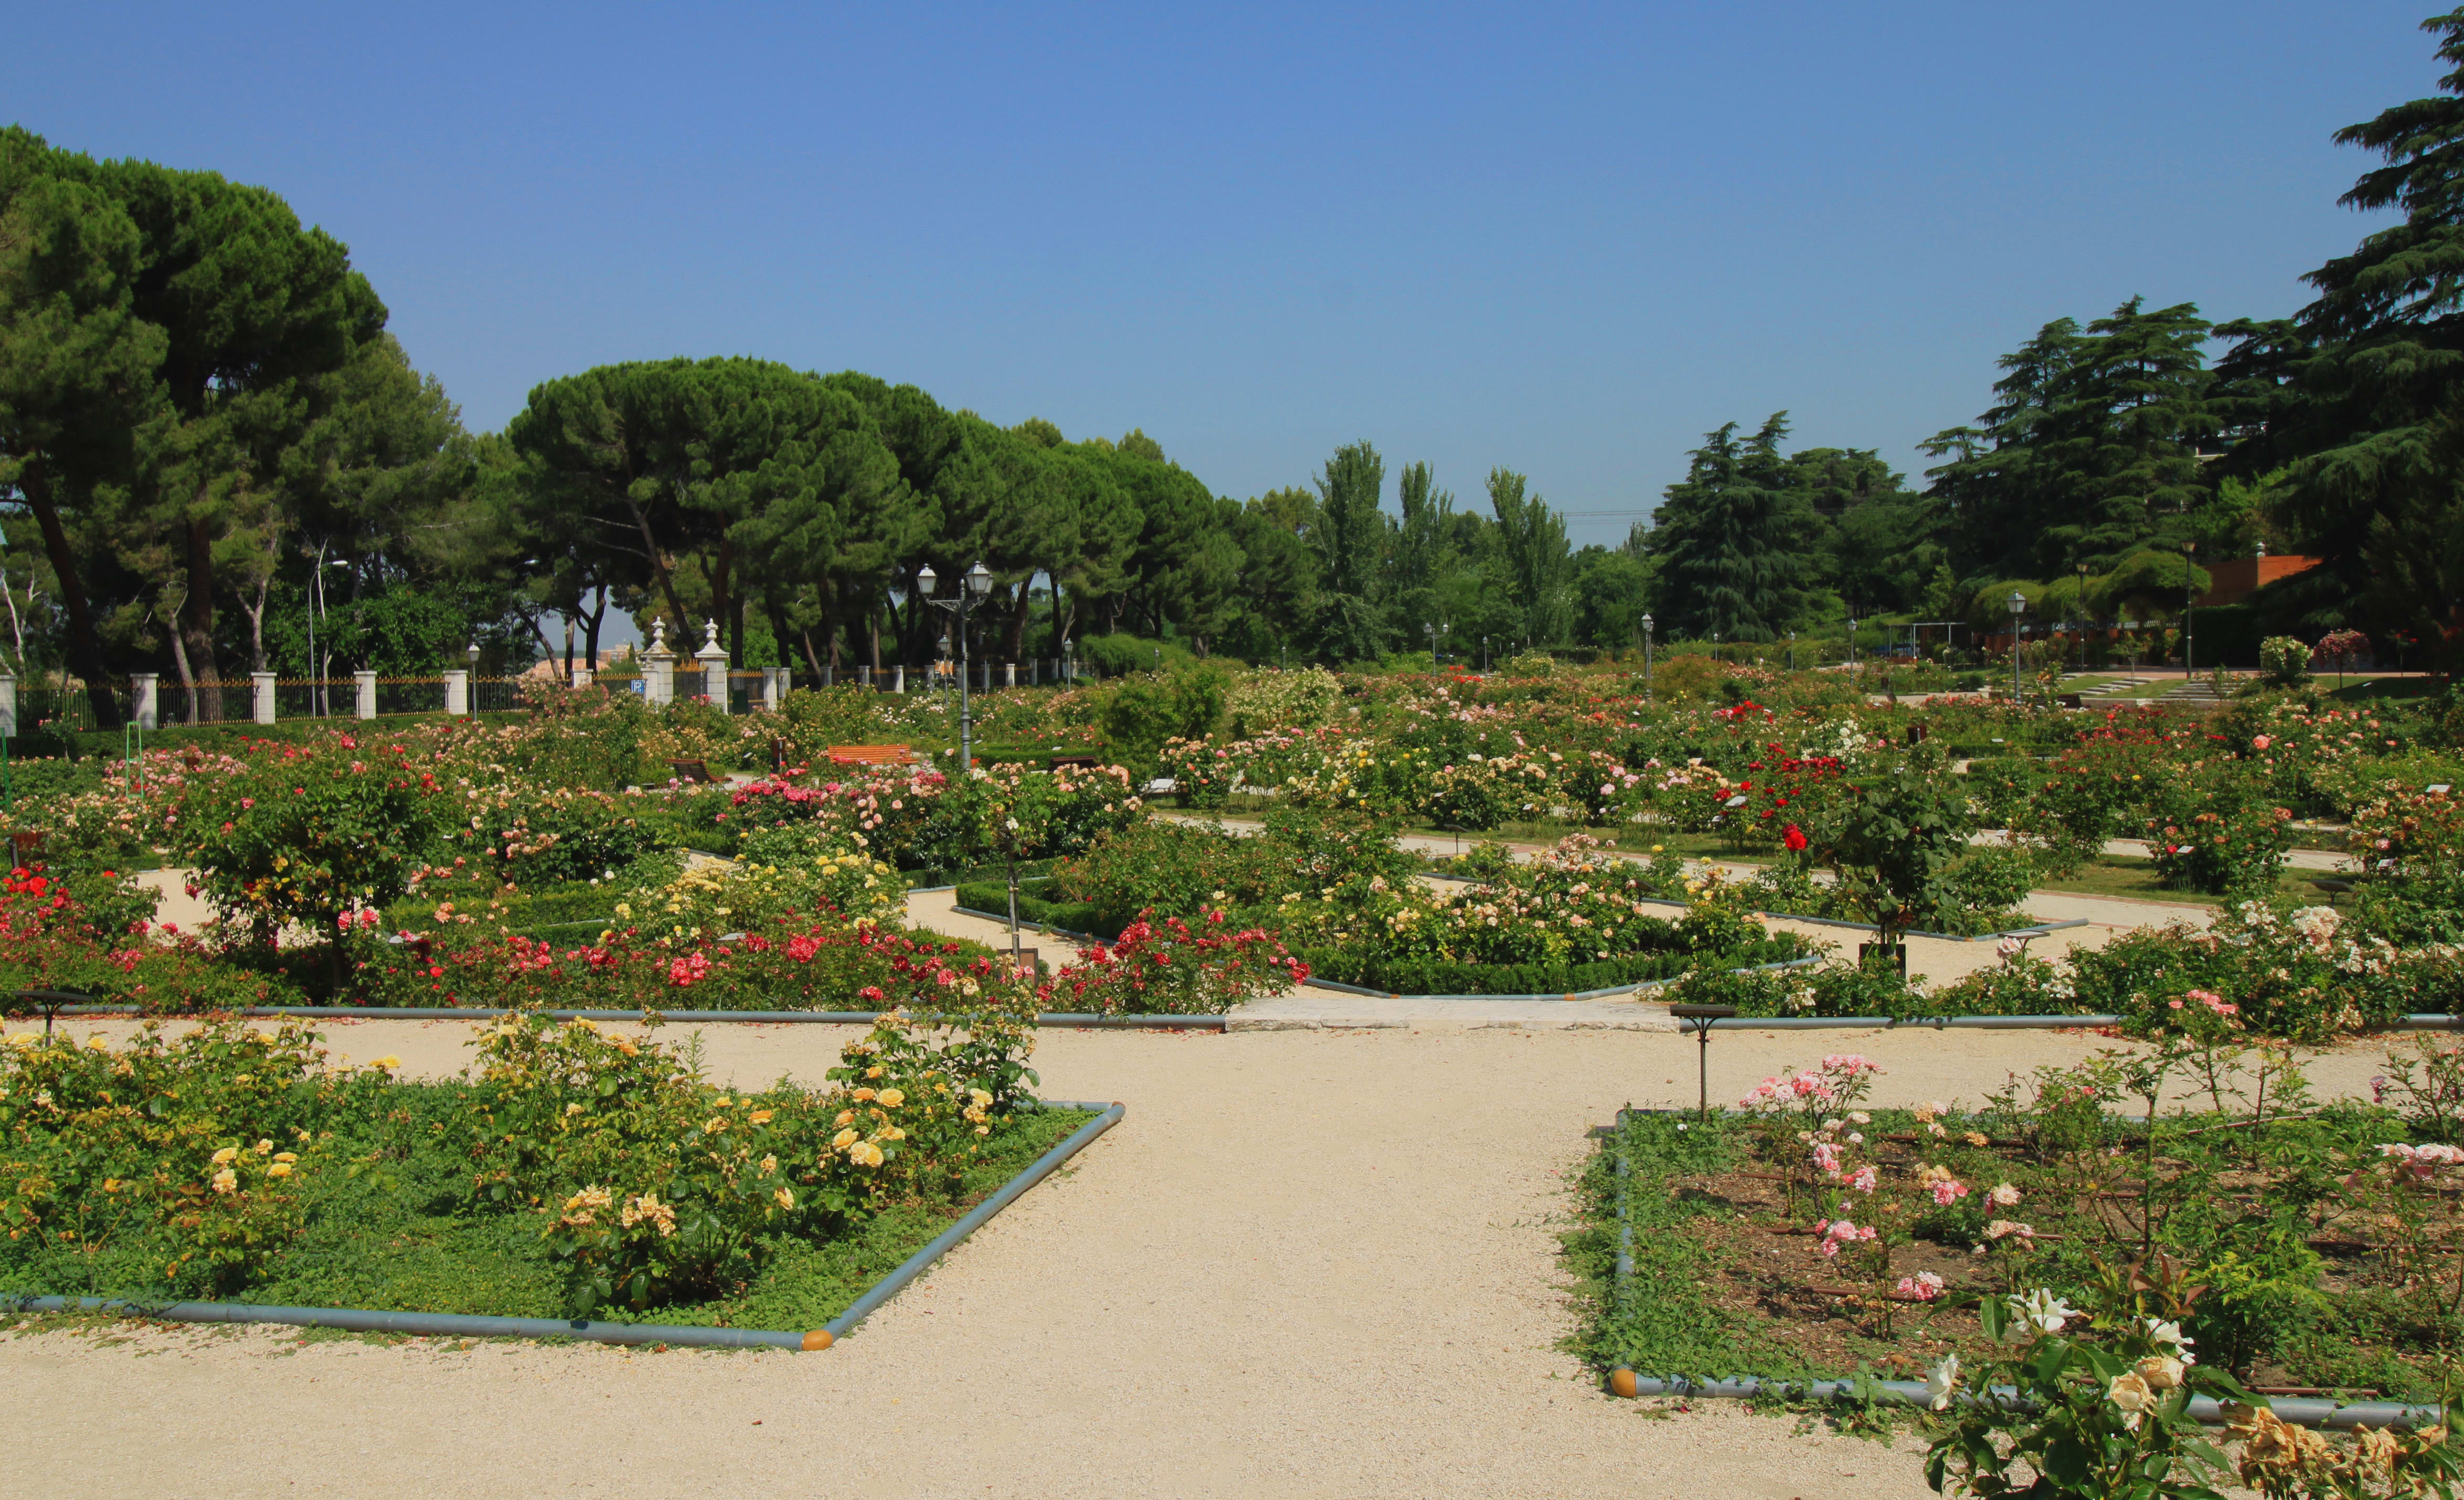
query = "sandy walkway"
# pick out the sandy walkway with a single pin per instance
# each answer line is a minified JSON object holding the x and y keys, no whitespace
{"x":1308,"y":1263}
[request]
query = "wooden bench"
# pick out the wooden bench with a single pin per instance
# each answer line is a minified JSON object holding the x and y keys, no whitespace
{"x":1075,"y":762}
{"x":872,"y":755}
{"x":691,"y":772}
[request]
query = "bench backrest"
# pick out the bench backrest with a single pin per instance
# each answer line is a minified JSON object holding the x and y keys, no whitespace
{"x":870,"y":754}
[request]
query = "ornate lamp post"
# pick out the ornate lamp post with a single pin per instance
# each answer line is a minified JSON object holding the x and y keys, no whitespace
{"x":2018,"y":607}
{"x":1646,"y":658}
{"x":2189,"y":593}
{"x":978,"y":583}
{"x":2081,"y":612}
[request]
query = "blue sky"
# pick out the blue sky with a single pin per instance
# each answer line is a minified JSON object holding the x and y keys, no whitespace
{"x":1564,"y":239}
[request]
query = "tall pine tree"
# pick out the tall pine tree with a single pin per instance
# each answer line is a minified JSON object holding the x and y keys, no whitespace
{"x":1734,"y":544}
{"x":2360,"y":396}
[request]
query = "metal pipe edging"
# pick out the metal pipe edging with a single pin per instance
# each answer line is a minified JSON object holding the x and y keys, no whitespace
{"x":839,"y":1018}
{"x":2301,"y":1411}
{"x":917,"y":1265}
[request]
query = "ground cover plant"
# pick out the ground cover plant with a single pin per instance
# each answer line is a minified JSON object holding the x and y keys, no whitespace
{"x":577,"y":1172}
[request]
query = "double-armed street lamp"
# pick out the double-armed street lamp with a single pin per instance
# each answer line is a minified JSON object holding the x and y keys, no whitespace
{"x":978,"y":583}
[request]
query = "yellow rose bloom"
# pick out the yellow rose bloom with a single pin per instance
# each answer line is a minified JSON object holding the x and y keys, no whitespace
{"x":278,"y":1169}
{"x":841,"y":1140}
{"x":286,"y":1155}
{"x":226,"y":1155}
{"x":763,"y":1116}
{"x":226,"y":1180}
{"x":864,"y":1154}
{"x":845,"y":1116}
{"x":786,"y":1198}
{"x":893,"y":1099}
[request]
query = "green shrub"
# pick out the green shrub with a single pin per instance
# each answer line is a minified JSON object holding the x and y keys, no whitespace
{"x":2284,"y":661}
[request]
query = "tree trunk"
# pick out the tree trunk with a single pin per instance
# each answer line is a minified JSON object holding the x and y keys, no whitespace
{"x":256,"y":623}
{"x":658,"y":561}
{"x":85,"y":651}
{"x":721,"y":602}
{"x":590,"y":628}
{"x":813,"y":661}
{"x":179,"y":659}
{"x":197,"y":619}
{"x":873,"y":632}
{"x":1014,"y":640}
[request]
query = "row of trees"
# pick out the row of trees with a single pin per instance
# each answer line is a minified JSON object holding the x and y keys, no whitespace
{"x":206,"y":439}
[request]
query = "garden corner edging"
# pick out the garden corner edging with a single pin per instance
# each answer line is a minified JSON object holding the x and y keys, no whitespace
{"x":451,"y":1325}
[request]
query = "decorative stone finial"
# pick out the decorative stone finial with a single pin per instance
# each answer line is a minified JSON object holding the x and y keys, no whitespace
{"x":710,"y":635}
{"x":659,"y":633}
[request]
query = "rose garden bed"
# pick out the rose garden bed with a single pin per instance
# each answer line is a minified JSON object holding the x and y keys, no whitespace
{"x":1806,"y":1236}
{"x":578,"y":1175}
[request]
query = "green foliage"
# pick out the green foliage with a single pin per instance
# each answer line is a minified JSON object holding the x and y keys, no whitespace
{"x":1892,"y":840}
{"x":585,"y":1172}
{"x":1147,"y":710}
{"x":2285,"y":660}
{"x":311,"y":833}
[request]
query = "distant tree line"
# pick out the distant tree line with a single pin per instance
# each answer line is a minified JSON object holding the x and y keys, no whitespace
{"x":206,"y":436}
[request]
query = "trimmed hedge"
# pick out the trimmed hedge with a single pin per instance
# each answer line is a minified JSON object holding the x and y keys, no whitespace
{"x":1439,"y":977}
{"x":993,"y":896}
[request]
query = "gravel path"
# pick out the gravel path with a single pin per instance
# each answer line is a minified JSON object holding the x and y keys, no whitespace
{"x":1308,"y":1263}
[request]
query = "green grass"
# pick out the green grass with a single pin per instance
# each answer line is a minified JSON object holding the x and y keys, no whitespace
{"x":2134,"y":878}
{"x":412,"y":1243}
{"x":2381,"y":690}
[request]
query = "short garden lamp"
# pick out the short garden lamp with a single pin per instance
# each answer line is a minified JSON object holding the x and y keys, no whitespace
{"x":1698,"y":1019}
{"x":2018,"y":607}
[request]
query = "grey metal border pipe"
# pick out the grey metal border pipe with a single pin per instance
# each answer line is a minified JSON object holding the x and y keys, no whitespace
{"x":1610,"y":993}
{"x":2302,"y":1411}
{"x":915,"y":1265}
{"x":2424,"y":1021}
{"x":836,"y":1018}
{"x":458,"y":1325}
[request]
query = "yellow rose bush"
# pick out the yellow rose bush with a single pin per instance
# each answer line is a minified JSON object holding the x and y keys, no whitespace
{"x":575,"y":1170}
{"x":174,"y":1163}
{"x":656,"y":1185}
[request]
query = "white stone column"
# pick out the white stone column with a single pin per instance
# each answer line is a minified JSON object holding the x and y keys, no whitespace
{"x":774,"y":688}
{"x":366,"y":683}
{"x":457,"y":691}
{"x":1010,"y":678}
{"x":712,"y":659}
{"x":142,"y":704}
{"x":582,"y":676}
{"x":900,"y":685}
{"x":659,"y":668}
{"x":261,"y":696}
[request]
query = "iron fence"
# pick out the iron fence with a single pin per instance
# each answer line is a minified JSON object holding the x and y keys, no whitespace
{"x":209,"y":701}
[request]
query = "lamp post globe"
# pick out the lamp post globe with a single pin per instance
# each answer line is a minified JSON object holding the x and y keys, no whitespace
{"x":980,"y":581}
